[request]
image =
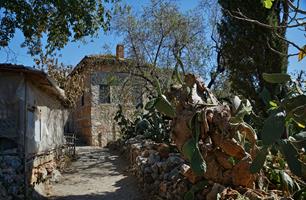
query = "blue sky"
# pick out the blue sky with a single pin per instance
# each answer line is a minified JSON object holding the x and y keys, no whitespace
{"x":72,"y":53}
{"x":75,"y":51}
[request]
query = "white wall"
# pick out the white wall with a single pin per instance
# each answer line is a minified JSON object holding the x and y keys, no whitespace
{"x":46,"y":121}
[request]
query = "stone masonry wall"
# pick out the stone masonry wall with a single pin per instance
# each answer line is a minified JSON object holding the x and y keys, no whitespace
{"x":104,"y":127}
{"x":164,"y":174}
{"x":82,"y":115}
{"x":93,"y":121}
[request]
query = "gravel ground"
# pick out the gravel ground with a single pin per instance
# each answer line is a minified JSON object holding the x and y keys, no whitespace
{"x":96,"y":174}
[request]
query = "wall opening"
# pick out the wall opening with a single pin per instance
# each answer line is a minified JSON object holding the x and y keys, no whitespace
{"x":104,"y":93}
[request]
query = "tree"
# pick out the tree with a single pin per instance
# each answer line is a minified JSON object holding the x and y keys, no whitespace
{"x":163,"y":36}
{"x":58,"y":21}
{"x":249,"y":50}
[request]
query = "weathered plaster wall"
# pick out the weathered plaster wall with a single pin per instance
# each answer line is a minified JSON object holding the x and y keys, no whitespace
{"x":46,"y":119}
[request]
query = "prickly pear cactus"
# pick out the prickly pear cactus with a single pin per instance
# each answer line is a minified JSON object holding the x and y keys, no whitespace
{"x":210,"y":135}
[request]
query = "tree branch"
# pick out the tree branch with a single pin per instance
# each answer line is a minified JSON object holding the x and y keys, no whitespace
{"x":245,"y":18}
{"x":220,"y":69}
{"x":278,"y":52}
{"x":158,"y":49}
{"x":296,"y":9}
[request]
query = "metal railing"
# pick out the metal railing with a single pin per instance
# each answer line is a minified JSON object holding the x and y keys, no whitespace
{"x":70,"y":143}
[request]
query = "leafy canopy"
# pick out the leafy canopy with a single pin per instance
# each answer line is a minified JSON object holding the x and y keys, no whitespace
{"x":58,"y":20}
{"x":248,"y":50}
{"x":162,"y":35}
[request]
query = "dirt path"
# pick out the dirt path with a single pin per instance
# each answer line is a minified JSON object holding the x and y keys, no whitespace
{"x":97,"y":174}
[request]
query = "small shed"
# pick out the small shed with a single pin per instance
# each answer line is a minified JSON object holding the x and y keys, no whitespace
{"x":33,"y":115}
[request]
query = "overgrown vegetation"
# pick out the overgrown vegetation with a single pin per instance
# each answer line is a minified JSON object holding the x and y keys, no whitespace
{"x":248,"y":49}
{"x":284,"y":137}
{"x":58,"y":21}
{"x":162,"y":35}
{"x":257,"y":141}
{"x":149,"y":123}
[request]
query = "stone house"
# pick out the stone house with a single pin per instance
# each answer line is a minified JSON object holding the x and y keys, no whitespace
{"x":32,"y":119}
{"x":109,"y":80}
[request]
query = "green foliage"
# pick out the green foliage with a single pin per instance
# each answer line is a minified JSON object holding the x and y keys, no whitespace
{"x":278,"y":135}
{"x":259,"y":160}
{"x":127,"y":126}
{"x":161,"y":102}
{"x":190,"y":195}
{"x":242,"y":109}
{"x":292,"y":156}
{"x":162,"y":35}
{"x":192,"y":152}
{"x":246,"y":48}
{"x":276,"y":77}
{"x":274,"y":127}
{"x":191,"y":149}
{"x":58,"y":20}
{"x":265,"y":96}
{"x":151,"y":124}
{"x":197,"y":162}
{"x":278,"y":175}
{"x":268,"y":3}
{"x":164,"y":106}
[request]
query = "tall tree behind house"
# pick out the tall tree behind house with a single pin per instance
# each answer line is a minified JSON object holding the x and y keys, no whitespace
{"x":250,"y":49}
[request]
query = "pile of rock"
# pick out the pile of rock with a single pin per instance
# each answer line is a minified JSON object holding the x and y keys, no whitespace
{"x":11,"y":177}
{"x":41,"y":171}
{"x":164,"y":174}
{"x":159,"y":171}
{"x":48,"y":171}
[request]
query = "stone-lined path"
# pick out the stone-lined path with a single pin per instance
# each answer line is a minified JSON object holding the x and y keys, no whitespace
{"x":96,"y":175}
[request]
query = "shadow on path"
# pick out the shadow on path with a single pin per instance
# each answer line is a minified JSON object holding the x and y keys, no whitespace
{"x":97,"y":174}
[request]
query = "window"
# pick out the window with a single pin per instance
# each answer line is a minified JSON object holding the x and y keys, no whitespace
{"x":104,"y":93}
{"x":82,"y":100}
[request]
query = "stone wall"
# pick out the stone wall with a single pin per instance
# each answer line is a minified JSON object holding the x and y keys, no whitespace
{"x":11,"y":177}
{"x":44,"y":138}
{"x":47,"y":169}
{"x":41,"y":170}
{"x":164,"y":174}
{"x":81,"y":115}
{"x":94,"y":120}
{"x":104,"y":127}
{"x":159,"y":172}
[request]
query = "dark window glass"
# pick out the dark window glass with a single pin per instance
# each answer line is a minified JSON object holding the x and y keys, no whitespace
{"x":82,"y":100}
{"x":104,"y":94}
